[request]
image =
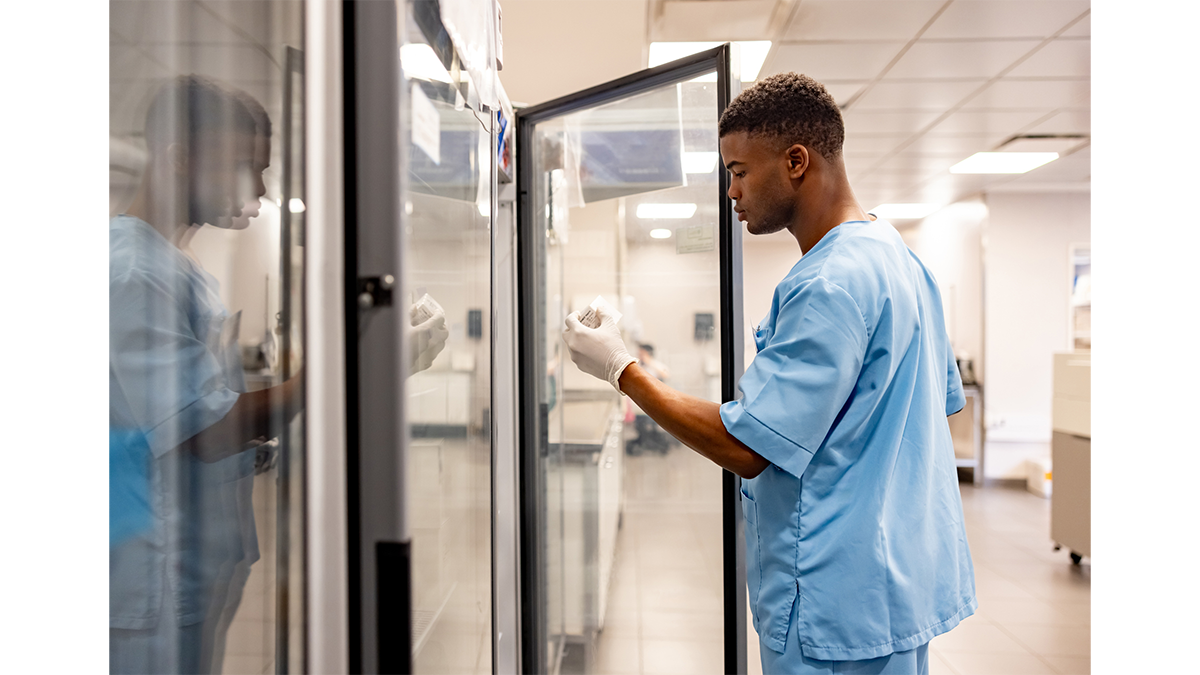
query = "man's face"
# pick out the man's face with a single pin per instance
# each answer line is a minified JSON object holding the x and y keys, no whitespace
{"x":225,"y":173}
{"x":758,"y":182}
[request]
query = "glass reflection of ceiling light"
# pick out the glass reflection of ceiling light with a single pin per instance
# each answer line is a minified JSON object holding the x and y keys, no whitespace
{"x":903,"y":211}
{"x":296,"y":205}
{"x":1003,"y":162}
{"x":754,"y":54}
{"x":421,"y":63}
{"x":660,"y":233}
{"x":699,"y":162}
{"x":666,"y":210}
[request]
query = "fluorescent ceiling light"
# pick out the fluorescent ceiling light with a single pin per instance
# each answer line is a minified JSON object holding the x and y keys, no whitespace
{"x":753,"y":53}
{"x":660,"y":233}
{"x":666,"y":210}
{"x":1003,"y":162}
{"x":903,"y":211}
{"x":699,"y":162}
{"x":420,"y":63}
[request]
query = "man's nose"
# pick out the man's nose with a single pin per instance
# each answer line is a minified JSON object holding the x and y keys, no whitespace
{"x":733,"y":192}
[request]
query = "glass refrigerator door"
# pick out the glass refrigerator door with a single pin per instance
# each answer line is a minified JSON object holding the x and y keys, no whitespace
{"x":631,"y":545}
{"x":420,"y":466}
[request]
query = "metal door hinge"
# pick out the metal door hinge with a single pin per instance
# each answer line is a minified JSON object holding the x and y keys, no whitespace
{"x":375,"y":291}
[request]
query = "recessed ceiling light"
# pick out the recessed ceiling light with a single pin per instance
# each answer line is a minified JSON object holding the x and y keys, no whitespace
{"x":660,"y":233}
{"x":699,"y":162}
{"x":753,"y":55}
{"x":666,"y":210}
{"x":903,"y":211}
{"x":421,"y":63}
{"x":1003,"y":162}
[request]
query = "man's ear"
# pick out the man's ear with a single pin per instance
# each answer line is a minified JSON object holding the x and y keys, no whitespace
{"x":177,"y":158}
{"x":797,"y":161}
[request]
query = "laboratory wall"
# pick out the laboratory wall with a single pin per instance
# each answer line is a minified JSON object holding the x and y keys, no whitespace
{"x":766,"y":259}
{"x":1027,"y":284}
{"x":949,"y":242}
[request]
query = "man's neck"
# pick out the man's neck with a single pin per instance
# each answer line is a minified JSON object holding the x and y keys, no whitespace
{"x":165,"y":221}
{"x":829,"y":202}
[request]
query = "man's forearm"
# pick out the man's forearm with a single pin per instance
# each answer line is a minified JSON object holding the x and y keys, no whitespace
{"x":251,"y":417}
{"x":694,"y":421}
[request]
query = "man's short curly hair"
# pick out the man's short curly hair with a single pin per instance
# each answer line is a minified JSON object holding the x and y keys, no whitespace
{"x":791,"y":107}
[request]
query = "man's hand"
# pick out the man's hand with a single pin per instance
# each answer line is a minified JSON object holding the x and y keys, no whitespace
{"x":599,"y":352}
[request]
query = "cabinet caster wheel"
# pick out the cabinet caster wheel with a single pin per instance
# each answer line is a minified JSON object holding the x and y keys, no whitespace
{"x":1075,"y":558}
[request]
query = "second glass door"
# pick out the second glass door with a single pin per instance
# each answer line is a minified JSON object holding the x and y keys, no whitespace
{"x":625,"y":543}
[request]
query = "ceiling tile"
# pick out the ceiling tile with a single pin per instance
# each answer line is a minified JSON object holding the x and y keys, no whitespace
{"x":860,"y":19}
{"x":698,"y":21}
{"x":955,"y":147}
{"x":833,"y":61}
{"x":1005,"y":19}
{"x":844,"y":91}
{"x":887,"y":121}
{"x":921,"y":164}
{"x":1064,"y":57}
{"x":1083,"y":28}
{"x":925,"y":94}
{"x":1006,"y":93}
{"x":988,"y":123}
{"x":863,"y":146}
{"x":979,"y":59}
{"x":1065,"y":122}
{"x":897,"y":183}
{"x":949,"y":188}
{"x":1074,"y":168}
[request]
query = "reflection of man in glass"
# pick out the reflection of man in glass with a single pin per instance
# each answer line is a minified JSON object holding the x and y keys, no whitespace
{"x":182,"y":428}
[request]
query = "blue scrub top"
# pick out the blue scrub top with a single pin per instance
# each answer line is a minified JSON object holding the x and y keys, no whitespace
{"x":859,"y":517}
{"x":174,"y":370}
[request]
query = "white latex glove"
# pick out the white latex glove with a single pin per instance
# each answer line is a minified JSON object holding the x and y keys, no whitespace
{"x":426,"y":340}
{"x":599,"y":352}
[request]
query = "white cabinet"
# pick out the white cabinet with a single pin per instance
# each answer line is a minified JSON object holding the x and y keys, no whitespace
{"x":1071,"y":454}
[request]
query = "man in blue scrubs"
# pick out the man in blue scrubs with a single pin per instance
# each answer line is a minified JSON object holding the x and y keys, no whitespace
{"x":856,"y":555}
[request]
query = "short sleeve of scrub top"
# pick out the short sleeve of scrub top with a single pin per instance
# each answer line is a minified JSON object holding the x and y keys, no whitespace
{"x":808,"y":363}
{"x":955,"y":398}
{"x":172,"y":381}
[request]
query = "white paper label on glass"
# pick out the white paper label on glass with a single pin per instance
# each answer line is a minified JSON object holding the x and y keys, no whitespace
{"x":694,"y":239}
{"x":426,"y":125}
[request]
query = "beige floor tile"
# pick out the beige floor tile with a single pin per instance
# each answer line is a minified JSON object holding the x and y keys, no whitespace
{"x":938,"y":665}
{"x":998,"y":588}
{"x":1080,"y":613}
{"x":976,"y":663}
{"x":707,"y":626}
{"x":1053,"y":640}
{"x":682,"y":657}
{"x":977,"y":635}
{"x":1070,"y":665}
{"x":1003,"y":612}
{"x":617,"y":655}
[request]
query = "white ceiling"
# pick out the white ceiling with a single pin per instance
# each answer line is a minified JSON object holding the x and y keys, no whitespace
{"x":923,"y":83}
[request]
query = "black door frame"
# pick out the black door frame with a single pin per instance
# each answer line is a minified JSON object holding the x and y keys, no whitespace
{"x":723,"y":59}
